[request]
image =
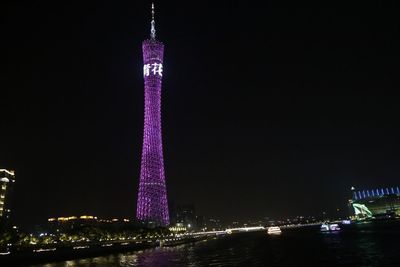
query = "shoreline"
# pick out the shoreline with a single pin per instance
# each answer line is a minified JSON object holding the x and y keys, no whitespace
{"x":43,"y":255}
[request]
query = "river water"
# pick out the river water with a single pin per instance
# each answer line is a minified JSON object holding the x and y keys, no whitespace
{"x":369,"y":244}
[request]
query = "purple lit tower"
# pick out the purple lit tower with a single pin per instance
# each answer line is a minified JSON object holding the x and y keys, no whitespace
{"x":152,"y":205}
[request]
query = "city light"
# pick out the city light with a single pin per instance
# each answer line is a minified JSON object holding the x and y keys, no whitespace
{"x":269,"y":116}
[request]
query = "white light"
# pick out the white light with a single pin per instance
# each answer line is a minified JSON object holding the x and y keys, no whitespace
{"x":44,"y":249}
{"x":7,"y":171}
{"x":146,"y":70}
{"x":155,"y":68}
{"x":80,"y":247}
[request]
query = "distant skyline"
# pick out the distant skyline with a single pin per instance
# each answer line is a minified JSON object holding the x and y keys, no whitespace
{"x":273,"y":111}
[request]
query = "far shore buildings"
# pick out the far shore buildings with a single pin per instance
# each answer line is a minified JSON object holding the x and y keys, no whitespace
{"x":7,"y":180}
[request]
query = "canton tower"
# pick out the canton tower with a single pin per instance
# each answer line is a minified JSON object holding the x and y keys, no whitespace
{"x":152,"y":205}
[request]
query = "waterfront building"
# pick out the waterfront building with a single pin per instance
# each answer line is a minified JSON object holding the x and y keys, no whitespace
{"x":376,"y":203}
{"x":152,"y":205}
{"x":71,"y":222}
{"x":7,"y":180}
{"x":186,"y":215}
{"x":65,"y":224}
{"x":178,"y":228}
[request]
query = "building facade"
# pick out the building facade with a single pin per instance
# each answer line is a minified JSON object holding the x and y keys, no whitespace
{"x":152,"y":204}
{"x":376,"y":203}
{"x":7,"y":180}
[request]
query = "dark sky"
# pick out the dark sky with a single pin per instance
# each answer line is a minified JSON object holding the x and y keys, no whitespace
{"x":267,"y":110}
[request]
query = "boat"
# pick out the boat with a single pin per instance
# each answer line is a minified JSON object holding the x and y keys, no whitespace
{"x":330,"y":227}
{"x":346,"y":222}
{"x":274,"y":230}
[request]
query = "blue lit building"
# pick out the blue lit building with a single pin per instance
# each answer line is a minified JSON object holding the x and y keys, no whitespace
{"x":376,"y":203}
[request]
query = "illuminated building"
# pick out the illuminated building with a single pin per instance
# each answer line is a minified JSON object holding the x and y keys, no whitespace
{"x":7,"y":180}
{"x":73,"y":218}
{"x":376,"y":203}
{"x":178,"y":228}
{"x":76,"y":222}
{"x":71,"y":222}
{"x":152,"y":205}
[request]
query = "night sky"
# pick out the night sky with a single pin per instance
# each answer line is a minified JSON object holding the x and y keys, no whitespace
{"x":267,"y":110}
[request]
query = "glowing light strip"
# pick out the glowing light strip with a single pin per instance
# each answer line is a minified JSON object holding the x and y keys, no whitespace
{"x":80,"y":247}
{"x":44,"y":249}
{"x":246,"y":228}
{"x":379,"y":192}
{"x":7,"y":171}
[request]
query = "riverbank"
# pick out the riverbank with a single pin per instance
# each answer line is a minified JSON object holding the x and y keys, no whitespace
{"x":371,"y":244}
{"x":42,"y":255}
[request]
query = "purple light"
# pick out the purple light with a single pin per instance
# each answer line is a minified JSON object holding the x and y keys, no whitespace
{"x":152,"y":204}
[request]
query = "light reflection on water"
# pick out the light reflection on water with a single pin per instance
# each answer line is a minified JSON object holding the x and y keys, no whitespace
{"x":365,"y":245}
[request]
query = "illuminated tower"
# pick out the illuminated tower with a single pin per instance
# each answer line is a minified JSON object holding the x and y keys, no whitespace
{"x":152,"y":205}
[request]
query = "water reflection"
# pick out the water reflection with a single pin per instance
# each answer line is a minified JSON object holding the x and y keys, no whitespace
{"x":160,"y":257}
{"x":363,"y":245}
{"x":369,"y":250}
{"x":151,"y":257}
{"x":368,"y":246}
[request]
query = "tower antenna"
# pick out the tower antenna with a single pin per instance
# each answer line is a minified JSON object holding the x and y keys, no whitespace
{"x":153,"y":23}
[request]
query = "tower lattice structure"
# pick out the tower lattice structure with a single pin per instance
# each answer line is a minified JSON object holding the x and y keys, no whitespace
{"x":152,"y":204}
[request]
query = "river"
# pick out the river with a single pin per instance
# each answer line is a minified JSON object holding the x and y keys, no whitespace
{"x":369,"y":244}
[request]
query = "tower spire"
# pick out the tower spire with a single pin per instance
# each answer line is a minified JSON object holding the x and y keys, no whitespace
{"x":153,"y":23}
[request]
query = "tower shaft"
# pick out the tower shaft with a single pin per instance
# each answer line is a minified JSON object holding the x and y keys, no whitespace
{"x":152,"y":204}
